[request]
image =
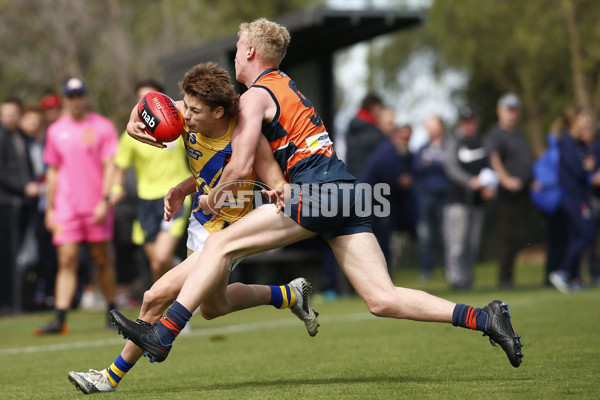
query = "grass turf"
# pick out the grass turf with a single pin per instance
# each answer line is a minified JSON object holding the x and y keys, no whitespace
{"x":264,"y":353}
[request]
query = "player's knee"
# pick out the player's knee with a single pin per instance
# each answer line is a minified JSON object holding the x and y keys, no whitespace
{"x":68,"y":263}
{"x":216,"y":244}
{"x":209,"y":311}
{"x":163,"y":260}
{"x":380,"y":306}
{"x":154,"y":299}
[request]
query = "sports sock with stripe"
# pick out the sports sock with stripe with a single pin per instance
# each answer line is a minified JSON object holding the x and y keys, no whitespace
{"x":469,"y":317}
{"x":117,"y":370}
{"x":282,"y":296}
{"x":172,"y":323}
{"x":61,"y":316}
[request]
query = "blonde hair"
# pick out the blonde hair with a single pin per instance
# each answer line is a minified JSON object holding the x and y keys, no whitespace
{"x":269,"y":38}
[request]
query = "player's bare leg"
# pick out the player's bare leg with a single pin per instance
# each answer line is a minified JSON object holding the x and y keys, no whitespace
{"x":361,"y":259}
{"x":225,"y":299}
{"x":160,"y":253}
{"x":66,"y":277}
{"x":260,"y":230}
{"x":102,"y":255}
{"x":363,"y":263}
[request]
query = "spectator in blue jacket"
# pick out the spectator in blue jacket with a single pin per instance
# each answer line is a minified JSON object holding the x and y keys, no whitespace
{"x":575,"y":165}
{"x":391,"y":163}
{"x":431,"y":185}
{"x":592,"y":259}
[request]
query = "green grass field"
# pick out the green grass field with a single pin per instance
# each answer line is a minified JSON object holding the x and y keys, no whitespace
{"x":266,"y":354}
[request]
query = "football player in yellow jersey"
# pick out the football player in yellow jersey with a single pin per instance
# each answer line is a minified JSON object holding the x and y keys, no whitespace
{"x":209,"y":106}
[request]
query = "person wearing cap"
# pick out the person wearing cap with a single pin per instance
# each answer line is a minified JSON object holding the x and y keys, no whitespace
{"x":511,"y":158}
{"x":79,"y":150}
{"x":52,"y":107}
{"x":471,"y":183}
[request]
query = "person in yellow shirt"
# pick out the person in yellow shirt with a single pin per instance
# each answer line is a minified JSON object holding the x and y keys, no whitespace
{"x":156,"y":171}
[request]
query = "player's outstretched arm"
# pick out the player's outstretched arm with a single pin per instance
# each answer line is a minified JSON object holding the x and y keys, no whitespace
{"x":174,"y":199}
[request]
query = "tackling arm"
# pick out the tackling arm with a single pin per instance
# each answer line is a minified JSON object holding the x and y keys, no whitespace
{"x":244,"y":142}
{"x":266,"y":167}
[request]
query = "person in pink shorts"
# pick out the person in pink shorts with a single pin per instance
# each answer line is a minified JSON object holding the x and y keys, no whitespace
{"x":79,"y":150}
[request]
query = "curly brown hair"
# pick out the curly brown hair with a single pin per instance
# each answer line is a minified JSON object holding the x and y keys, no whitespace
{"x":212,"y":85}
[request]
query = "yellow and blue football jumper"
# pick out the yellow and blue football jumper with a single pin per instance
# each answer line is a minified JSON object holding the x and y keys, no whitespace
{"x":207,"y":158}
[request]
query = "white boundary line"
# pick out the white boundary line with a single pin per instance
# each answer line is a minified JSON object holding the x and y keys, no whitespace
{"x":204,"y":331}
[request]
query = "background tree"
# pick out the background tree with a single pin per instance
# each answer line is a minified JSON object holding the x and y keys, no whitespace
{"x":110,"y":43}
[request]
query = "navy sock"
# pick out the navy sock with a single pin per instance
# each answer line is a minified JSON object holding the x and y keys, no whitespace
{"x":172,"y":323}
{"x":61,"y":315}
{"x":469,"y":317}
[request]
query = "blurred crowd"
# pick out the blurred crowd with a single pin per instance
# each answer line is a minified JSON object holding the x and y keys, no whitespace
{"x":71,"y":191}
{"x":440,"y":195}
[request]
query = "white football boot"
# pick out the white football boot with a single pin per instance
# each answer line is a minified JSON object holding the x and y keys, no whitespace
{"x":303,"y":309}
{"x":91,"y":382}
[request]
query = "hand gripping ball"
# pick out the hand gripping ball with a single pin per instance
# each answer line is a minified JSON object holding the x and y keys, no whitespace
{"x":161,"y":116}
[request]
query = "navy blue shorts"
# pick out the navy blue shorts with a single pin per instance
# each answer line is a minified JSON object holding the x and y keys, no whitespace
{"x":329,"y":209}
{"x":150,"y":214}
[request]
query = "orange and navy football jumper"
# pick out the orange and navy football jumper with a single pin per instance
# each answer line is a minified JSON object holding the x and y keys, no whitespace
{"x":297,"y":135}
{"x":303,"y":149}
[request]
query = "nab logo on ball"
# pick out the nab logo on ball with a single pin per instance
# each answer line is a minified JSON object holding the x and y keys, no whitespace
{"x":148,"y":118}
{"x":161,"y":116}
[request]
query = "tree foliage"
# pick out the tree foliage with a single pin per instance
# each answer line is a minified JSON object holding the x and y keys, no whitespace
{"x":110,"y":43}
{"x":546,"y":52}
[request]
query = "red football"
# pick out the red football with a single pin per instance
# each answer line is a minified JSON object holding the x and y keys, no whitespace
{"x":162,"y":117}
